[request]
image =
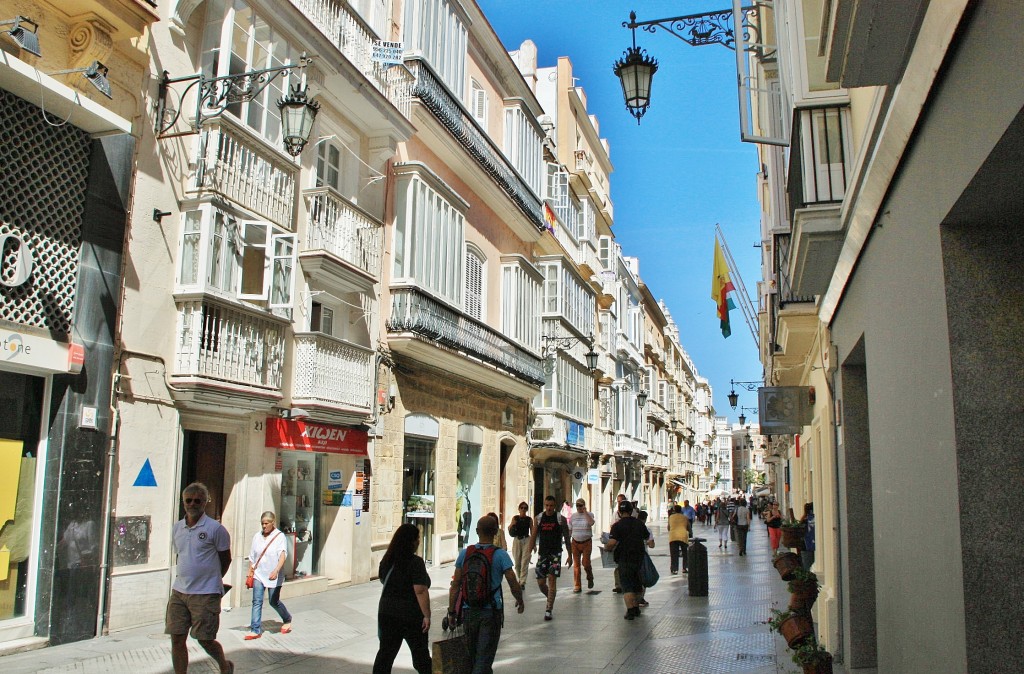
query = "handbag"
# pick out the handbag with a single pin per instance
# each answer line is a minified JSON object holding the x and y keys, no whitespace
{"x":649,"y":575}
{"x":450,"y":655}
{"x":252,"y":570}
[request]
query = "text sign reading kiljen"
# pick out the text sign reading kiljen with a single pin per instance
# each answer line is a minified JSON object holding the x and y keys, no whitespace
{"x":311,"y":437}
{"x":387,"y":52}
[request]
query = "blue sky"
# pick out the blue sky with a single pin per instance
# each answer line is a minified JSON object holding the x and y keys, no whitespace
{"x":679,"y":172}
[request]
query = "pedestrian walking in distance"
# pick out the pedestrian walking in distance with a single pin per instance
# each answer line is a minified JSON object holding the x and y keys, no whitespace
{"x":678,"y":538}
{"x":626,"y":540}
{"x":520,"y":529}
{"x":549,"y":534}
{"x":743,"y":517}
{"x":722,"y":524}
{"x":581,"y":534}
{"x":266,"y":561}
{"x":479,"y":569}
{"x":204,"y":555}
{"x":404,"y":610}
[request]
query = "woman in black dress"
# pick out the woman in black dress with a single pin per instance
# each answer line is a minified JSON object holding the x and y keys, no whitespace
{"x":404,"y":610}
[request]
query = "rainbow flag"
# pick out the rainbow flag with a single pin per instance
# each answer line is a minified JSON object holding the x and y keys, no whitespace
{"x":721,"y":286}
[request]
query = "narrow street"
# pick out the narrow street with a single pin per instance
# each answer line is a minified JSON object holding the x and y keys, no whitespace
{"x":336,"y":630}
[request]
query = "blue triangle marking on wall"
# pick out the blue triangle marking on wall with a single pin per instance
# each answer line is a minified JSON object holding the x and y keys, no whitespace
{"x":146,"y":477}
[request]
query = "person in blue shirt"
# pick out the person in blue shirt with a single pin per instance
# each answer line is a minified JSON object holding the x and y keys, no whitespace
{"x":483,"y":625}
{"x":690,"y":514}
{"x":807,"y":554}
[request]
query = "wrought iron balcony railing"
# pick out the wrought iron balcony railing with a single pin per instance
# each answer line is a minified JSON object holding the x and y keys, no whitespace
{"x":781,"y":250}
{"x":343,"y":229}
{"x":414,"y":311}
{"x":333,"y":371}
{"x":465,"y":131}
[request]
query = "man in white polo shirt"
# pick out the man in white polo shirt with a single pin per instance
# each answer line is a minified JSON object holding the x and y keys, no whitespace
{"x":204,"y":555}
{"x":581,"y":529}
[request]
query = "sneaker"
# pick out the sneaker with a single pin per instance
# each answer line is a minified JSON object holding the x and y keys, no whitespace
{"x":644,"y":602}
{"x":590,"y":583}
{"x":547,"y":615}
{"x":253,"y":635}
{"x":286,"y":628}
{"x":629,"y":614}
{"x":617,"y":590}
{"x":576,"y":590}
{"x":719,"y":545}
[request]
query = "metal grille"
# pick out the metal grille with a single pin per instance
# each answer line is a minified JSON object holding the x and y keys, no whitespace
{"x":44,"y":180}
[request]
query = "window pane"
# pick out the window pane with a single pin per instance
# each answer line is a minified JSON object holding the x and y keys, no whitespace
{"x":281,"y":279}
{"x":190,"y":248}
{"x":254,"y":258}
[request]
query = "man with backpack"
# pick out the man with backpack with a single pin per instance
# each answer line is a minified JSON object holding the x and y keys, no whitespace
{"x":550,"y":532}
{"x":477,"y":584}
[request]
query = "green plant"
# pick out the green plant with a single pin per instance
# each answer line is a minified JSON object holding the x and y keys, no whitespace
{"x":799,"y":575}
{"x":793,"y":524}
{"x":810,"y":652}
{"x":778,"y":617}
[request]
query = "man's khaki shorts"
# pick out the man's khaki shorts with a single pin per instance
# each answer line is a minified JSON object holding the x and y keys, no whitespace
{"x":199,"y":613}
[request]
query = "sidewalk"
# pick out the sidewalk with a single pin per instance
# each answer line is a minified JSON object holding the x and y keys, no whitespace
{"x":336,"y":630}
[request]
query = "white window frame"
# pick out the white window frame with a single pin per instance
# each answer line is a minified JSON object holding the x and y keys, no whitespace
{"x":478,"y":103}
{"x":475,"y":294}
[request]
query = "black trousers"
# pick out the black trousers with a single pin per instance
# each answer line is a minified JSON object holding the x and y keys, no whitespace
{"x":677,"y":551}
{"x":393,"y":631}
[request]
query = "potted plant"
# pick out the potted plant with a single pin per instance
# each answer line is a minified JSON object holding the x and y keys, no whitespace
{"x":796,"y":627}
{"x":803,"y":588}
{"x":793,"y":533}
{"x":786,"y":563}
{"x":813,"y":658}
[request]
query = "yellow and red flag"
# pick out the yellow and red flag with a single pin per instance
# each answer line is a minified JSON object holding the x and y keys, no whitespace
{"x":549,"y":218}
{"x":721,"y":286}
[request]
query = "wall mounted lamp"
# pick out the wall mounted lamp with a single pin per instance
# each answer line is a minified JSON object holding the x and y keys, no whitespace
{"x":552,"y":344}
{"x":636,"y":69}
{"x":749,"y":385}
{"x":215,"y":94}
{"x":25,"y":32}
{"x":743,"y":417}
{"x":96,"y":73}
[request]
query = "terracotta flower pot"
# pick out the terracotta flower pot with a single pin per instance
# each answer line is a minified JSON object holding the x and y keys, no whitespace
{"x":786,"y":564}
{"x":804,"y":594}
{"x":797,"y":629}
{"x":793,"y":537}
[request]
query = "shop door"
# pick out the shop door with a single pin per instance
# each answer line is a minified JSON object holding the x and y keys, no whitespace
{"x":203,"y":461}
{"x":21,"y":399}
{"x":506,"y":452}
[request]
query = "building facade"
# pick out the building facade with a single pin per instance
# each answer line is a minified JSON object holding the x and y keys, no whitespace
{"x":896,"y":184}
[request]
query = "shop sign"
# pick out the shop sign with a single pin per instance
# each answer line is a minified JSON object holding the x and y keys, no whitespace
{"x":593,"y":476}
{"x":311,"y":437}
{"x":38,"y":353}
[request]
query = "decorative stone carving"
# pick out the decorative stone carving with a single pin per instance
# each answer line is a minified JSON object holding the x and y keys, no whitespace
{"x":90,"y":40}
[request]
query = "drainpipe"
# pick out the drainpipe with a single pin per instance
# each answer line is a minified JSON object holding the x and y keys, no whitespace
{"x":108,"y":494}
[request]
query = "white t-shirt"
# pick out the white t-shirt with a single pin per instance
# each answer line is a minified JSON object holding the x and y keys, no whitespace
{"x":580,"y":527}
{"x":271,"y":558}
{"x":198,"y":550}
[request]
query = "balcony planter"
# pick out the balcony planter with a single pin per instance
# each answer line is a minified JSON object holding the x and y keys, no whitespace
{"x":786,"y":564}
{"x":793,"y":535}
{"x":796,"y":627}
{"x":813,"y":658}
{"x":803,"y":590}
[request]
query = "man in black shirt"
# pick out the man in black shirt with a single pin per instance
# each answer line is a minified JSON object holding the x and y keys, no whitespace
{"x":550,"y":532}
{"x":627,"y":539}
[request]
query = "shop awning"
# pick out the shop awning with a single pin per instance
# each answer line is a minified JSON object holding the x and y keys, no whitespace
{"x":677,"y":482}
{"x":307,"y":436}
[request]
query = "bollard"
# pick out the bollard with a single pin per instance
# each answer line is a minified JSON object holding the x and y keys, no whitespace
{"x":697,"y":568}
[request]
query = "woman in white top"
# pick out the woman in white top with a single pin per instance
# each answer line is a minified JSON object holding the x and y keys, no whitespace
{"x":266,"y":559}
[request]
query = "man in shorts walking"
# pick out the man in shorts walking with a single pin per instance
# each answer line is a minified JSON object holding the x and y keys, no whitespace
{"x":550,"y":533}
{"x":204,"y":555}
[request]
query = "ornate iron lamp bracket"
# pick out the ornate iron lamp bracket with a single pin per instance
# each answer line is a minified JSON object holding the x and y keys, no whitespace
{"x":214,"y":94}
{"x":698,"y":30}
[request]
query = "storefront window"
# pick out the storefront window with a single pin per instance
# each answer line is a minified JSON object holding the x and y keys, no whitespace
{"x":299,"y":518}
{"x":21,"y":396}
{"x":467,"y":495}
{"x":418,"y":489}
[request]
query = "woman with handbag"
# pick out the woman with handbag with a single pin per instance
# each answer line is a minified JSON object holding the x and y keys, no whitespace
{"x":404,"y":609}
{"x":266,"y":559}
{"x":773,"y":520}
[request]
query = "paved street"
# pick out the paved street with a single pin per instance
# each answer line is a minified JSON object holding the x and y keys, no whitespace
{"x":336,"y":630}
